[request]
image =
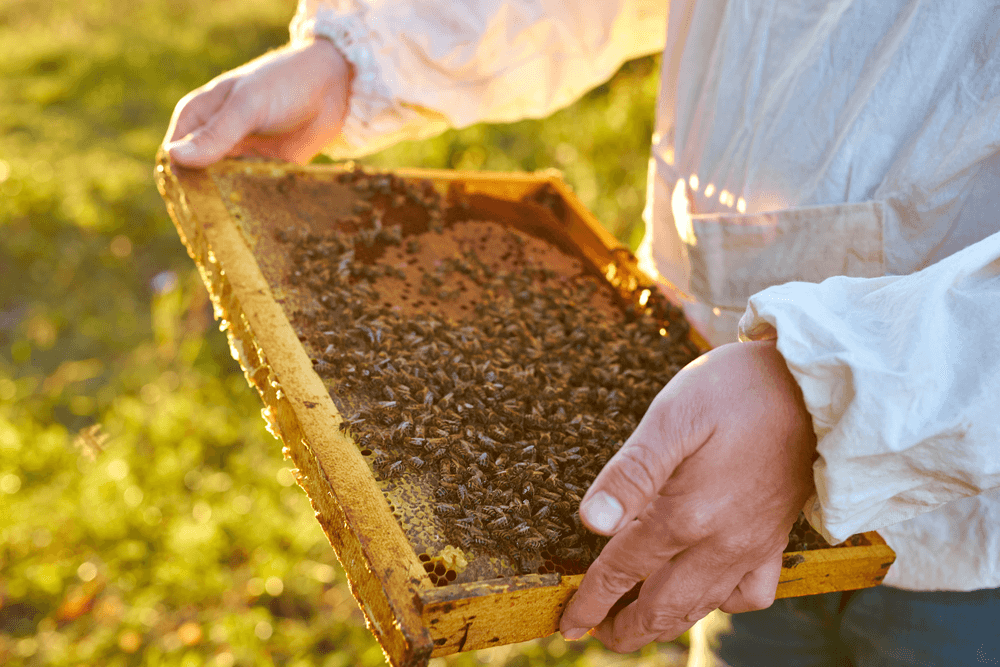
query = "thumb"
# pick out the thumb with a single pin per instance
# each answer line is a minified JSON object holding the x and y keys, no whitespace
{"x":215,"y":138}
{"x":635,"y":474}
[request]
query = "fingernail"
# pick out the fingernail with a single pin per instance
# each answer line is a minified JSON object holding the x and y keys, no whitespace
{"x":574,"y":634}
{"x":602,"y":512}
{"x":181,"y":149}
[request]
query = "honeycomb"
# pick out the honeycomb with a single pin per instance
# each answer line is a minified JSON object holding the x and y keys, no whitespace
{"x":365,"y":263}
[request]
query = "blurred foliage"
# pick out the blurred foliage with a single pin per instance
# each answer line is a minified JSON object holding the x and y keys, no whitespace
{"x":146,"y":517}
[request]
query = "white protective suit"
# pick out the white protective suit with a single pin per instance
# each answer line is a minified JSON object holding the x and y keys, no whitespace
{"x":793,"y":144}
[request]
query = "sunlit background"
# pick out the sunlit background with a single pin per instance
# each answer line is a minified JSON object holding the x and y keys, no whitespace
{"x":146,"y":517}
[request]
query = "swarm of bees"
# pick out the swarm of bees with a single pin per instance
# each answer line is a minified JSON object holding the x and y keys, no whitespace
{"x":510,"y":412}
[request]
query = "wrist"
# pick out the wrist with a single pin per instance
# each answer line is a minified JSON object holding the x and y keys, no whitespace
{"x":331,"y":64}
{"x":329,"y":52}
{"x":327,"y":58}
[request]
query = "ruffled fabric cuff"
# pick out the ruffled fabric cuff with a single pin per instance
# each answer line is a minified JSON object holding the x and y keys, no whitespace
{"x":818,"y":358}
{"x":900,"y":376}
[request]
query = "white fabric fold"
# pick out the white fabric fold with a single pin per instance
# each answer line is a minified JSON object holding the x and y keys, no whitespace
{"x":425,"y":65}
{"x":902,"y":377}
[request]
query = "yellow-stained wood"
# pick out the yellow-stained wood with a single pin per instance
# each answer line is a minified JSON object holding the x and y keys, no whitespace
{"x":412,"y":619}
{"x":383,"y":571}
{"x":505,"y":611}
{"x":841,"y":569}
{"x":493,"y":613}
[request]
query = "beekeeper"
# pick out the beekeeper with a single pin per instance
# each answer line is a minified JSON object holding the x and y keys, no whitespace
{"x":824,"y":184}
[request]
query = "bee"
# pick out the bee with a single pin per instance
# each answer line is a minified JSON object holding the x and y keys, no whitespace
{"x":487,"y":442}
{"x":499,"y":431}
{"x":466,"y":449}
{"x":552,"y":534}
{"x":483,"y":516}
{"x":394,"y":469}
{"x":479,"y":539}
{"x":446,"y":509}
{"x":476,"y":480}
{"x":548,"y":495}
{"x":504,"y":535}
{"x":352,"y":422}
{"x":416,"y":462}
{"x":379,"y":460}
{"x":533,"y":543}
{"x":570,"y":540}
{"x":446,"y":400}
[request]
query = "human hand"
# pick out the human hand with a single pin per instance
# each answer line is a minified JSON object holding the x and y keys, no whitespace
{"x":288,"y":104}
{"x":707,"y":489}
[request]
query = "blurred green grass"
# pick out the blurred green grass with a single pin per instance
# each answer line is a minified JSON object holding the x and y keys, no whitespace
{"x":174,"y":535}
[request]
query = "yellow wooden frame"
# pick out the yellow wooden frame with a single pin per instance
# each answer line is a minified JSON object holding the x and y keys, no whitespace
{"x":412,"y":619}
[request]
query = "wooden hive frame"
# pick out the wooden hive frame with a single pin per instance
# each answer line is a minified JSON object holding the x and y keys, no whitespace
{"x":412,"y":618}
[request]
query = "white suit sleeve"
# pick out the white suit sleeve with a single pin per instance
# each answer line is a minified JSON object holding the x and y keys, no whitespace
{"x":422,"y":66}
{"x":902,"y":377}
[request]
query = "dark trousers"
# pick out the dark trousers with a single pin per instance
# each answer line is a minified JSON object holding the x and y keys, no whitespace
{"x":874,"y":627}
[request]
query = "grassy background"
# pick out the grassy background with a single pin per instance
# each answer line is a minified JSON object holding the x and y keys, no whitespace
{"x":175,"y":535}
